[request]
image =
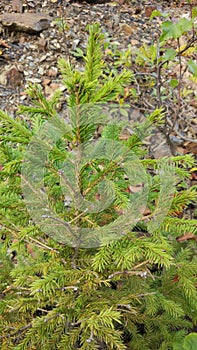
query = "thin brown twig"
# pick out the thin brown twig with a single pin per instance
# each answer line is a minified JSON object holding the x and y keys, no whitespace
{"x":43,"y":245}
{"x":128,"y":272}
{"x":141,"y":264}
{"x":20,"y":330}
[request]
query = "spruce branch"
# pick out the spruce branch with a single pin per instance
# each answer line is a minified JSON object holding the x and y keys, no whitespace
{"x":129,"y":273}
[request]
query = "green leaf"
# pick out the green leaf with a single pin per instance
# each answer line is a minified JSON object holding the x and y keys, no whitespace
{"x":169,"y":31}
{"x":190,"y":342}
{"x":169,"y":55}
{"x":155,"y":13}
{"x":185,"y":24}
{"x":194,"y":12}
{"x":174,"y":83}
{"x":192,"y":67}
{"x":174,"y":30}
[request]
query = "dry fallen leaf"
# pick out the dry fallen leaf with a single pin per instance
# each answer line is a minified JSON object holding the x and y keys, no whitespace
{"x":193,"y":172}
{"x":187,"y":236}
{"x":176,"y":279}
{"x":190,"y":147}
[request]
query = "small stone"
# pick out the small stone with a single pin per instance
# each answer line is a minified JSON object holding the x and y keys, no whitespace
{"x":20,"y":67}
{"x":127,"y":29}
{"x":121,"y":2}
{"x":31,"y":4}
{"x":134,"y":42}
{"x":11,"y":77}
{"x":23,"y":97}
{"x":57,"y":45}
{"x":26,"y":74}
{"x":42,"y":44}
{"x":17,"y":6}
{"x":31,"y":64}
{"x":22,"y":39}
{"x":52,"y":72}
{"x":14,"y":77}
{"x":43,"y":58}
{"x":41,"y":71}
{"x":55,"y":86}
{"x":34,"y":80}
{"x":46,"y":82}
{"x":3,"y":79}
{"x":50,"y":89}
{"x":62,"y":87}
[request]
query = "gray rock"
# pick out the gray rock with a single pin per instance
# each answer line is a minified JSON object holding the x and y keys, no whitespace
{"x":31,"y":23}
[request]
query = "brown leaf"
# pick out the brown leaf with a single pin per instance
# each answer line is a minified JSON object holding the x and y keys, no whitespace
{"x":187,"y":236}
{"x":134,"y":189}
{"x":190,"y":147}
{"x":176,"y":279}
{"x":149,"y":9}
{"x":193,"y":174}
